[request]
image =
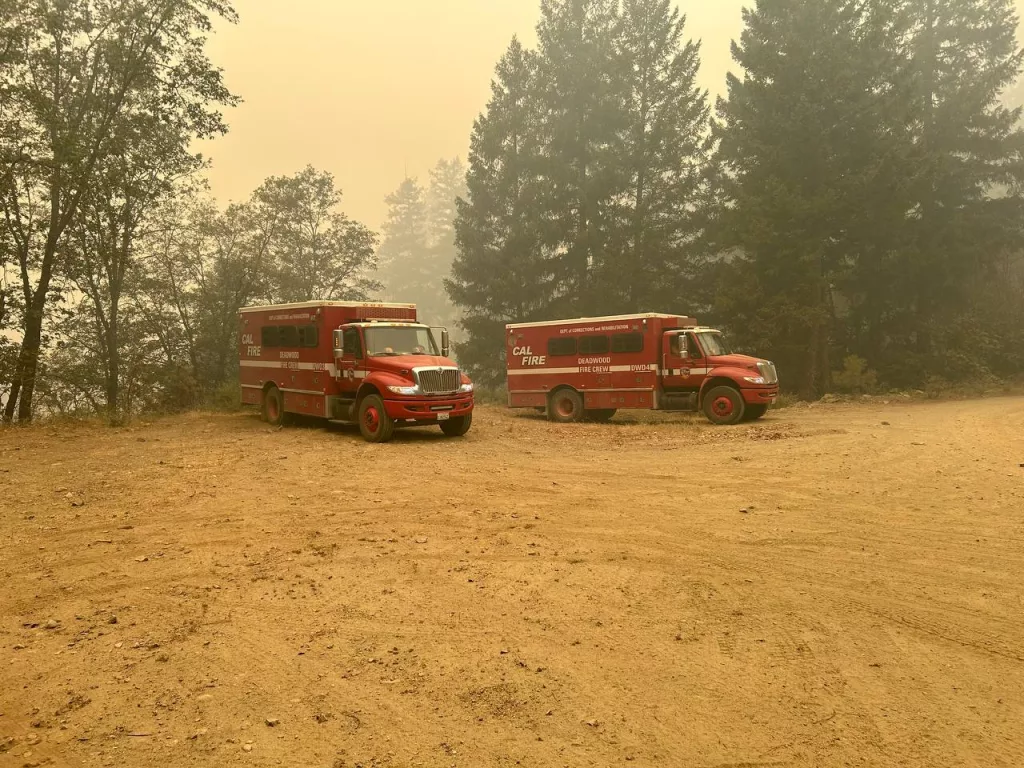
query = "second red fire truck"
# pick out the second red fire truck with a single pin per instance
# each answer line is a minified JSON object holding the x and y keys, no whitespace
{"x":352,"y":362}
{"x":588,"y":368}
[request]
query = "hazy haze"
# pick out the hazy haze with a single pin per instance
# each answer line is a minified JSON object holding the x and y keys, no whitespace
{"x":369,"y":91}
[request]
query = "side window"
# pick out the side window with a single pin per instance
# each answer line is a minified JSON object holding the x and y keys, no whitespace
{"x":628,"y":342}
{"x":692,"y":346}
{"x":353,"y":346}
{"x":288,"y":335}
{"x":269,"y":336}
{"x":561,"y":347}
{"x":594,"y":345}
{"x":308,"y":336}
{"x":674,"y":347}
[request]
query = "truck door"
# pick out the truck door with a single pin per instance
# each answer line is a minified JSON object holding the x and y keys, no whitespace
{"x":683,"y":364}
{"x":351,"y":359}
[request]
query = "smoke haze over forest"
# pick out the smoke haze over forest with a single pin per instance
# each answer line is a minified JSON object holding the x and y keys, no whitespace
{"x":370,"y":90}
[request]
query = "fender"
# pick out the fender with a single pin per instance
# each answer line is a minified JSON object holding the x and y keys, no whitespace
{"x":380,"y":381}
{"x":726,"y":374}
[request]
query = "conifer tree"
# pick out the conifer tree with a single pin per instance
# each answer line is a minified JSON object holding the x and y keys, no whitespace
{"x":806,"y":150}
{"x":447,"y":185}
{"x":502,"y":272}
{"x":662,"y":158}
{"x":404,"y":255}
{"x":581,"y":94}
{"x":965,"y":204}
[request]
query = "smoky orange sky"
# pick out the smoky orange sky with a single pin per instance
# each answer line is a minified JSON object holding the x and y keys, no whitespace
{"x":372,"y":90}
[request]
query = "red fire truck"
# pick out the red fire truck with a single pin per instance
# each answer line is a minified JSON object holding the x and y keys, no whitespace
{"x":590,"y":367}
{"x":351,"y":362}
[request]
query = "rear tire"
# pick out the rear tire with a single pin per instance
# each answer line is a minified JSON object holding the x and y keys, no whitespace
{"x":754,"y":412}
{"x":600,"y":415}
{"x":565,"y":406}
{"x":456,"y":427}
{"x":724,"y":405}
{"x":272,"y":407}
{"x":374,"y":423}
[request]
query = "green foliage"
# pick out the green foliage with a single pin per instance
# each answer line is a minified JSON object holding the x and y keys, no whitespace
{"x":873,"y":180}
{"x":418,"y":248}
{"x":587,"y":173}
{"x":501,"y":273}
{"x":315,"y":251}
{"x":226,"y":397}
{"x":96,"y":97}
{"x":855,"y":378}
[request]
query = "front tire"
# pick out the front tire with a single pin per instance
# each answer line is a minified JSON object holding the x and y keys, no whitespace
{"x":754,"y":412}
{"x":724,"y":405}
{"x":456,"y":427}
{"x":565,"y":406}
{"x":600,"y":415}
{"x":272,"y":407}
{"x":374,"y":423}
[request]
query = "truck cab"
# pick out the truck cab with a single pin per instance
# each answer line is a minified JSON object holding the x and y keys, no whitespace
{"x":729,"y":387}
{"x":396,"y":374}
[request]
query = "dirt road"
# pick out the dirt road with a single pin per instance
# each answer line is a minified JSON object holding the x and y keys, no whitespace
{"x":839,"y":585}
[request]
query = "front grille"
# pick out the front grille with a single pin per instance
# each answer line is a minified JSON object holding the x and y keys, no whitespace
{"x":438,"y":381}
{"x":767,"y":370}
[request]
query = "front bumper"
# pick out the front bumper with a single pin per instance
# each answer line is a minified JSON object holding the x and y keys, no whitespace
{"x":412,"y":409}
{"x":760,"y":395}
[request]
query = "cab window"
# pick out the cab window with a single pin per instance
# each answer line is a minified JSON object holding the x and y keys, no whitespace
{"x":692,"y":347}
{"x":353,"y":344}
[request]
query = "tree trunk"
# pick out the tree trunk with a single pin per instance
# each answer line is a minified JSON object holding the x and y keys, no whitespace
{"x":23,"y":387}
{"x":113,"y":374}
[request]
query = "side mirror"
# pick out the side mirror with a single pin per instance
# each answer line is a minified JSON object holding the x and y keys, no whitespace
{"x":339,"y":344}
{"x":445,"y":343}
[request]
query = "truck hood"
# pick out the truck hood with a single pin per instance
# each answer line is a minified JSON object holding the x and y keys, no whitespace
{"x":403,"y":364}
{"x":734,"y":361}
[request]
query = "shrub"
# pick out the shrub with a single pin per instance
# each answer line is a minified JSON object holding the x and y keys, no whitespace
{"x":855,"y":378}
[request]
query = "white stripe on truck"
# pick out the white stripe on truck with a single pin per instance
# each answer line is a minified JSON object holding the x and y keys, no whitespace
{"x":652,"y":368}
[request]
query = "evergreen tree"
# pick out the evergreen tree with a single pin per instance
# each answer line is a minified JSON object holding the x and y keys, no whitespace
{"x":965,"y":205}
{"x":447,"y":185}
{"x":663,"y":161}
{"x":581,"y":95}
{"x":404,"y":255}
{"x":502,"y":271}
{"x":807,"y":147}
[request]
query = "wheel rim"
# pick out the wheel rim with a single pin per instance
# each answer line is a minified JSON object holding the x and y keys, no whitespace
{"x":565,"y":407}
{"x":273,"y":411}
{"x":722,"y":406}
{"x":372,"y":419}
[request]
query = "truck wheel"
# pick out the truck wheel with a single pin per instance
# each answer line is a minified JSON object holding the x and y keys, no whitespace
{"x":565,"y":406}
{"x":724,"y":405}
{"x":458,"y":426}
{"x":272,"y":407}
{"x":754,"y":412}
{"x":374,"y":422}
{"x":600,"y":415}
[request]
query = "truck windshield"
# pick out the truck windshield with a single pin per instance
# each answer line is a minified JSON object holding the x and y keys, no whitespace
{"x":713,"y":344}
{"x":393,"y":340}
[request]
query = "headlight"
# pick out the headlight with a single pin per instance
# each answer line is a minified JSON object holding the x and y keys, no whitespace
{"x":466,"y":388}
{"x":754,"y":379}
{"x":405,"y":390}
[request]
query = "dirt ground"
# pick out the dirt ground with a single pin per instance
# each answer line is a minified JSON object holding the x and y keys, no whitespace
{"x":834,"y":586}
